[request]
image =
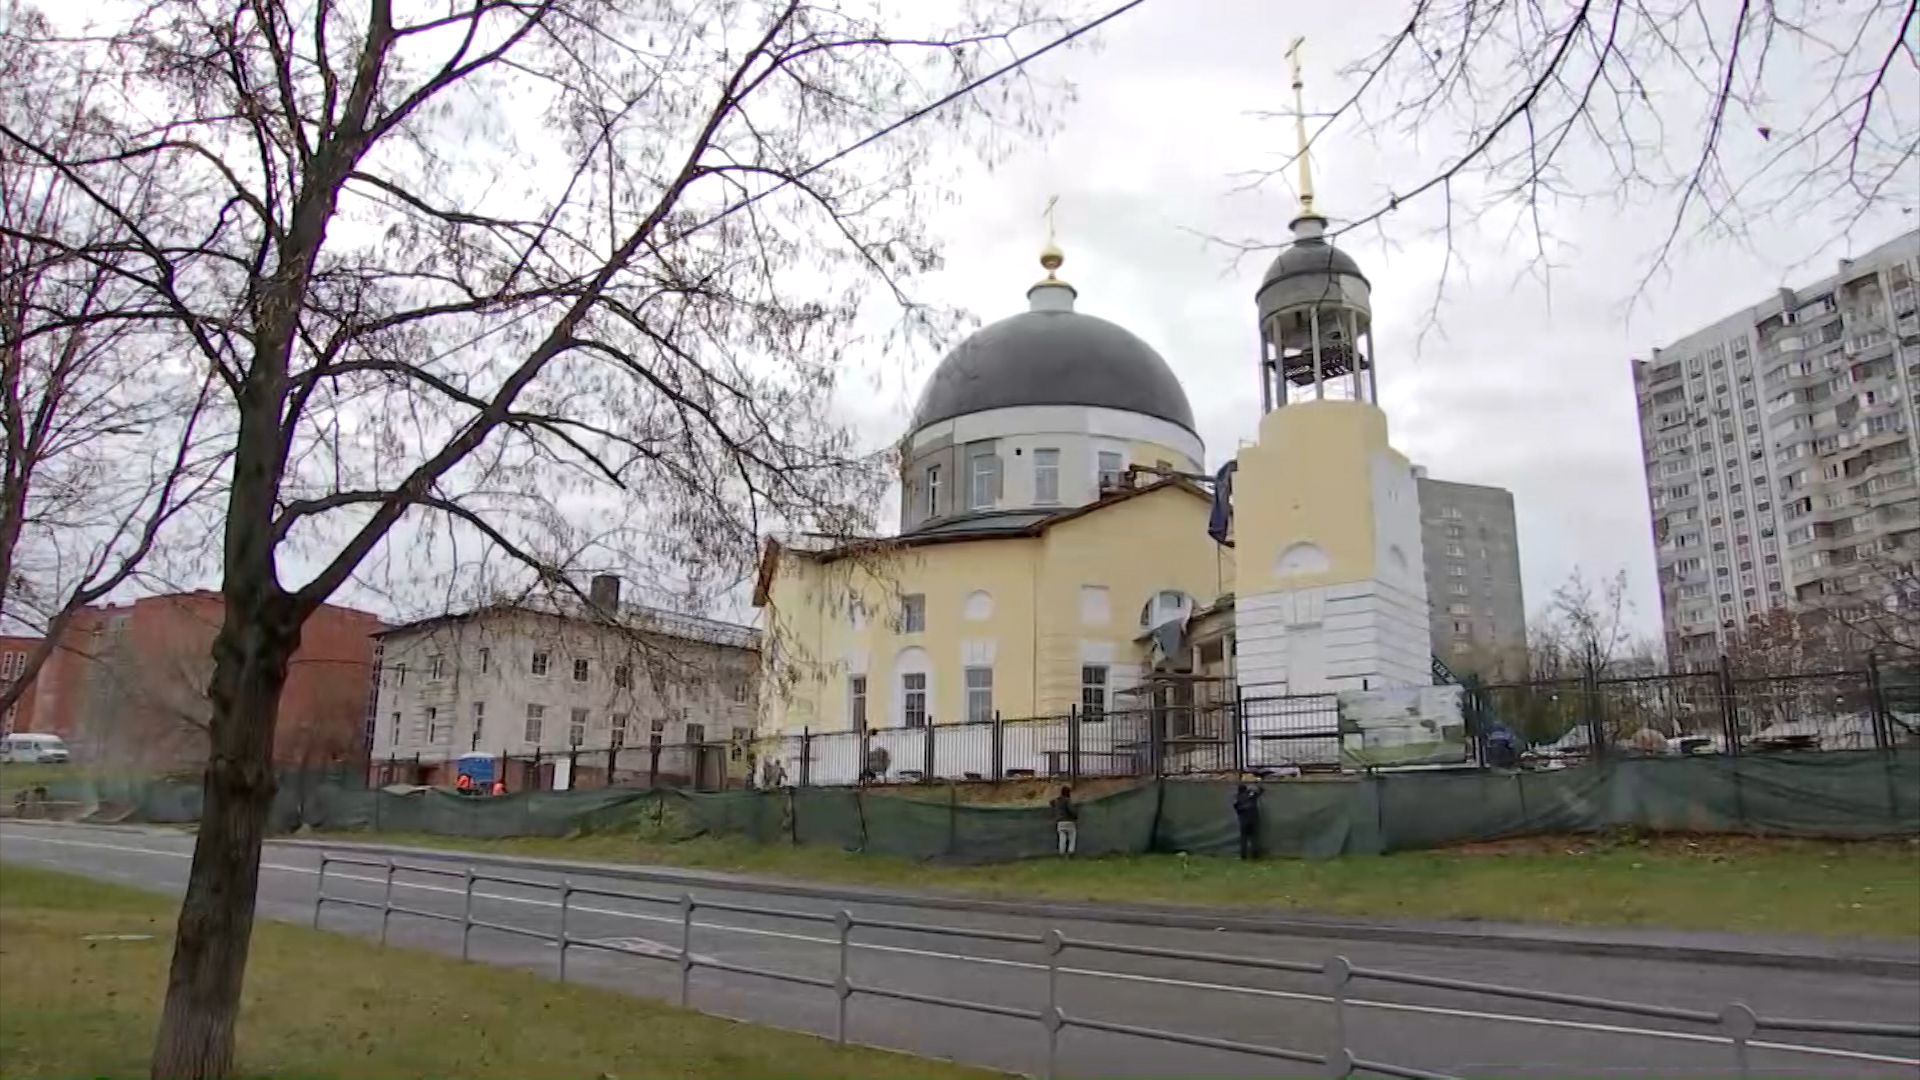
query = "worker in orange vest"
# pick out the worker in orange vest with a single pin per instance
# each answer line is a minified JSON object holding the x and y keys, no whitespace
{"x":499,"y":787}
{"x":464,"y":785}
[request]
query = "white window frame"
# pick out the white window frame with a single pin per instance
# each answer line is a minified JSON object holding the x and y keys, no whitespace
{"x":486,"y":660}
{"x":913,"y":613}
{"x":479,"y":721}
{"x":913,"y":699}
{"x":577,"y":726}
{"x":1108,"y":463}
{"x":857,"y":703}
{"x":393,"y":736}
{"x":617,"y":730}
{"x":536,"y":723}
{"x":1046,"y":475}
{"x":933,"y":491}
{"x":540,"y":663}
{"x":979,"y":691}
{"x":1096,"y":682}
{"x":983,"y":476}
{"x":436,"y":666}
{"x":582,"y":669}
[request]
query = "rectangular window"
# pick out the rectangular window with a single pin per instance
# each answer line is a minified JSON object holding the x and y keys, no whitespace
{"x":933,"y":491}
{"x":540,"y":662}
{"x":536,"y":714}
{"x":857,"y":702}
{"x":979,"y":695}
{"x":1111,"y":465}
{"x":1093,"y":691}
{"x":622,"y":676}
{"x":581,"y":669}
{"x":486,"y":660}
{"x":479,"y":720}
{"x":913,"y":698}
{"x":696,"y":733}
{"x":740,"y":689}
{"x":399,"y":674}
{"x":1046,"y":475}
{"x":737,"y":746}
{"x":436,"y":667}
{"x":433,"y":725}
{"x":577,"y":727}
{"x":393,"y":733}
{"x":617,"y":730}
{"x":983,"y":479}
{"x":913,"y":613}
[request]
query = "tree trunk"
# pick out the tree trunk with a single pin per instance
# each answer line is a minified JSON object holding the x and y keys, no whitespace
{"x":251,"y":652}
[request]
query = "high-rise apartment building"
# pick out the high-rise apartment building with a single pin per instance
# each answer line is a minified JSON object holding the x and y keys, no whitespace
{"x":1780,"y":449}
{"x":1477,"y":609}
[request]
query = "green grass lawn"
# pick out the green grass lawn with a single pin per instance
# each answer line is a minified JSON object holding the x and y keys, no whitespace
{"x":322,"y":1005}
{"x":20,"y":776}
{"x":1869,"y":890}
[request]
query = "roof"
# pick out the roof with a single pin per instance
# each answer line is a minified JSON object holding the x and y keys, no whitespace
{"x":987,"y":525}
{"x":1053,"y":357}
{"x":635,"y":617}
{"x":1310,"y":255}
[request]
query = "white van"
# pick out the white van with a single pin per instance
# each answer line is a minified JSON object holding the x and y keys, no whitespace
{"x":37,"y":749}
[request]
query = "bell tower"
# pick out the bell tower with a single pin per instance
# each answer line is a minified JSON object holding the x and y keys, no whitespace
{"x":1330,"y":582}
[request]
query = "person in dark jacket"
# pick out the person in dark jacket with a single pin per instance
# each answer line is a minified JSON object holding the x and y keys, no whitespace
{"x":1246,"y":809}
{"x":1066,"y":822}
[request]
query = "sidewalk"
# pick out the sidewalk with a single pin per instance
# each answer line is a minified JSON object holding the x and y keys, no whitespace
{"x":1894,"y":959}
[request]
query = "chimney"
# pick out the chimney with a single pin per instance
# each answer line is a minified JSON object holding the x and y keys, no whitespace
{"x":604,"y":592}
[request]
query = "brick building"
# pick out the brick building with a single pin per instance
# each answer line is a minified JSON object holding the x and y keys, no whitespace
{"x":127,"y":685}
{"x":13,"y":658}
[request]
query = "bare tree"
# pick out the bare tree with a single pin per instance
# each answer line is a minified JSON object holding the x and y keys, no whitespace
{"x":1583,"y":632}
{"x":1713,"y":116}
{"x":1881,"y":614}
{"x":558,"y":279}
{"x":101,"y":435}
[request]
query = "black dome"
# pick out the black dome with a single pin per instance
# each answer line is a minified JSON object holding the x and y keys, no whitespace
{"x":1310,"y":256}
{"x":1053,"y":358}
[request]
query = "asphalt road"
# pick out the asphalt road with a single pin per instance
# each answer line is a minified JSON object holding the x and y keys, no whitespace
{"x":1465,"y":1034}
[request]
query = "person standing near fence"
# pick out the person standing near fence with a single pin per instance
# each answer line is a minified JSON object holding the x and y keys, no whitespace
{"x":1246,"y":809}
{"x":1066,"y":822}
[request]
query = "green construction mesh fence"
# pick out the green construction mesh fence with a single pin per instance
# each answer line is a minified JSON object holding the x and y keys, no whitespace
{"x":1839,"y":795}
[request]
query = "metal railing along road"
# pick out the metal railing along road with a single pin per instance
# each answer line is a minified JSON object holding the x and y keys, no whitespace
{"x":1737,"y":1024}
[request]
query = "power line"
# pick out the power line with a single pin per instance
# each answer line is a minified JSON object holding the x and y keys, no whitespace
{"x":1011,"y":66}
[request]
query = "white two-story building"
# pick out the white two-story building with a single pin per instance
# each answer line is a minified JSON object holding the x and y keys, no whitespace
{"x":566,"y":697}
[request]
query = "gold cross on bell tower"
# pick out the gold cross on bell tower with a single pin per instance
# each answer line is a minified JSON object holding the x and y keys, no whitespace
{"x":1300,"y":128}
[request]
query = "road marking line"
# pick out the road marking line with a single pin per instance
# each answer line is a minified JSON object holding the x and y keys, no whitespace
{"x":994,"y":961}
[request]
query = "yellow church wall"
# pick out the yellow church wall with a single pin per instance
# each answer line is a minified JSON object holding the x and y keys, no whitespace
{"x":820,"y":644}
{"x":1309,"y":479}
{"x":1135,"y":549}
{"x":1034,"y":631}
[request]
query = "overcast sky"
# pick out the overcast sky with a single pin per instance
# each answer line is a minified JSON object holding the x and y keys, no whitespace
{"x":1520,"y":381}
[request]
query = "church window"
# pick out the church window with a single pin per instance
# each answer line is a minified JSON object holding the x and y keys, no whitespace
{"x":1046,"y":475}
{"x":913,"y":613}
{"x":857,"y":702}
{"x":1093,"y":691}
{"x":913,"y":698}
{"x":933,"y":491}
{"x":983,"y":475}
{"x":1111,"y":466}
{"x":979,"y":695}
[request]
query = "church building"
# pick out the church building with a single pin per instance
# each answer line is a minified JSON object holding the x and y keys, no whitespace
{"x":1065,"y":547}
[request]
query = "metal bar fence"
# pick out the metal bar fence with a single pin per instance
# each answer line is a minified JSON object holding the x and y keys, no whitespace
{"x":1712,"y":712}
{"x":1736,"y":1023}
